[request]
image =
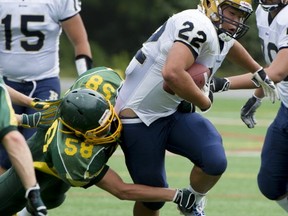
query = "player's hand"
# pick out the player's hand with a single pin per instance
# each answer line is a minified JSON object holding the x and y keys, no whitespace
{"x":260,"y":78}
{"x":39,"y":104}
{"x":185,"y":200}
{"x":39,"y":119}
{"x":186,"y":107}
{"x":248,"y":111}
{"x":208,"y":93}
{"x":35,"y":205}
{"x":219,"y":84}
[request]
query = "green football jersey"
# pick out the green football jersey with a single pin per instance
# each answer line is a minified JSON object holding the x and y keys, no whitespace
{"x":8,"y":120}
{"x":61,"y":153}
{"x":101,"y":79}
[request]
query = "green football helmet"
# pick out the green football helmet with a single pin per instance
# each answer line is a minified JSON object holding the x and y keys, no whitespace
{"x":89,"y":115}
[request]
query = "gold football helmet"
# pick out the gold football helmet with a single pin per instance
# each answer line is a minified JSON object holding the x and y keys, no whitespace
{"x":214,"y":10}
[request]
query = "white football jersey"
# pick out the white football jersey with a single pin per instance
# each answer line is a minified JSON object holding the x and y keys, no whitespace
{"x":273,"y":37}
{"x":29,"y":36}
{"x":142,"y":90}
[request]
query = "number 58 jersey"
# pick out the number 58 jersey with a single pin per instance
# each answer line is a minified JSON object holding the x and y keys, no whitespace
{"x":29,"y":36}
{"x":59,"y":152}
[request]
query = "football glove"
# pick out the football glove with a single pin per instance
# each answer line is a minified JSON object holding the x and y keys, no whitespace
{"x":39,"y":104}
{"x":219,"y":84}
{"x":260,"y":78}
{"x":185,"y":200}
{"x":186,"y":107}
{"x":248,"y":111}
{"x":39,"y":119}
{"x":208,"y":93}
{"x":35,"y":205}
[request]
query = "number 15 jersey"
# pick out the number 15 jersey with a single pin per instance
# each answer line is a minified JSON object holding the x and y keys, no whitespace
{"x":29,"y":36}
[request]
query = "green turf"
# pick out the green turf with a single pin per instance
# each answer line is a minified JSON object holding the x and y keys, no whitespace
{"x":235,"y":194}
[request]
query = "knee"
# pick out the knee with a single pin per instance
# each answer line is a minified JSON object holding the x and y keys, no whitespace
{"x":270,"y":188}
{"x":215,"y":167}
{"x":55,"y":202}
{"x":154,"y":205}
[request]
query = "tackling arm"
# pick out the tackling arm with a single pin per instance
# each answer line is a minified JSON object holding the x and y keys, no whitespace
{"x":113,"y":184}
{"x":19,"y":98}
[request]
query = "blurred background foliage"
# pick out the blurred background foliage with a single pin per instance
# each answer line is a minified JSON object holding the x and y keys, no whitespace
{"x":117,"y":29}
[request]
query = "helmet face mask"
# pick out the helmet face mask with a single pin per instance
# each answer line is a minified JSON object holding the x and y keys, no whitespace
{"x":219,"y":12}
{"x":271,"y":5}
{"x":90,"y":116}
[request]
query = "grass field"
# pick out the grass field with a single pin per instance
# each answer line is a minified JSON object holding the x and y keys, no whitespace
{"x":235,"y":194}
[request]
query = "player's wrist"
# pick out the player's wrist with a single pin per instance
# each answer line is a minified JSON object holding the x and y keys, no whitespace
{"x":83,"y":63}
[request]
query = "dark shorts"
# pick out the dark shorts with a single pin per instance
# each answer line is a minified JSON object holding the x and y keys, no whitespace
{"x":186,"y":134}
{"x":273,"y":174}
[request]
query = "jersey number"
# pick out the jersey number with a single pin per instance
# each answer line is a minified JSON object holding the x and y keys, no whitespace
{"x":196,"y":40}
{"x":269,"y":51}
{"x":72,"y":145}
{"x":96,"y":81}
{"x":25,"y":20}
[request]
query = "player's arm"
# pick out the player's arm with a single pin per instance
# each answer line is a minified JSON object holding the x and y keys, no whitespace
{"x":76,"y":32}
{"x":113,"y":183}
{"x":239,"y":55}
{"x":19,"y":98}
{"x":35,"y":103}
{"x":174,"y":73}
{"x":278,"y":72}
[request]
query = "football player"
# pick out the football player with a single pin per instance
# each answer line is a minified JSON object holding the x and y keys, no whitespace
{"x":30,"y":34}
{"x":151,"y":122}
{"x":272,"y":24}
{"x":74,"y":150}
{"x":17,"y":148}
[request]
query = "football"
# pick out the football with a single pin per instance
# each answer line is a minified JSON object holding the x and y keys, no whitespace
{"x":199,"y":74}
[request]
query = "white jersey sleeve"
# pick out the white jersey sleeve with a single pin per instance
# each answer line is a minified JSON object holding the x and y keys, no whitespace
{"x":29,"y":36}
{"x":274,"y":36}
{"x":142,"y":90}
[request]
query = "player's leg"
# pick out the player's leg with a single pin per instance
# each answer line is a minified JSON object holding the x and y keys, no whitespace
{"x":53,"y":192}
{"x":273,"y":174}
{"x":12,"y":193}
{"x":144,"y":151}
{"x":4,"y":160}
{"x":195,"y":138}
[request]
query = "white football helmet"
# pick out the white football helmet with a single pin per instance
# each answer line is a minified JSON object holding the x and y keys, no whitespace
{"x":272,"y":5}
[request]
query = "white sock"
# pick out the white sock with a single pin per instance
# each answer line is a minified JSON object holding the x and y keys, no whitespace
{"x":24,"y":212}
{"x":198,"y":196}
{"x":283,"y":203}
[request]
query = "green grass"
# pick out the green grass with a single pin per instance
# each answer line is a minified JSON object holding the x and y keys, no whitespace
{"x":235,"y":194}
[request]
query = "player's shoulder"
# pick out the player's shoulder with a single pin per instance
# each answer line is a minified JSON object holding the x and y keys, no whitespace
{"x":192,"y":21}
{"x":195,"y":16}
{"x":102,"y":71}
{"x":281,"y":17}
